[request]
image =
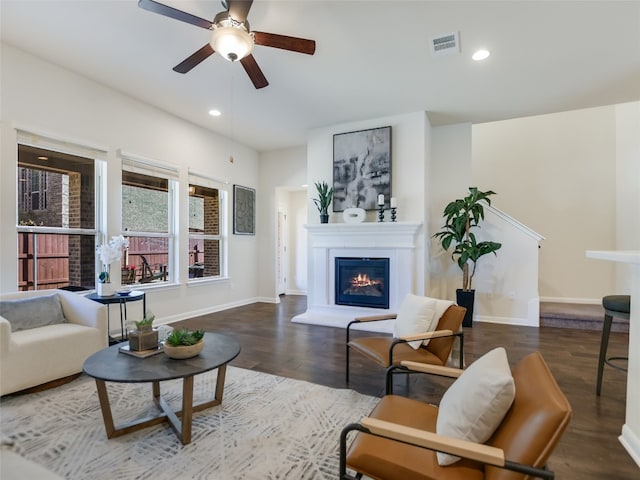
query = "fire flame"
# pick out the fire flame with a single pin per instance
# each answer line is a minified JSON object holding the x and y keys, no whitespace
{"x":363,"y":280}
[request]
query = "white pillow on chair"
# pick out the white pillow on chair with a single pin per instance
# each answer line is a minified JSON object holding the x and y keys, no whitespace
{"x":475,"y":404}
{"x":416,"y":315}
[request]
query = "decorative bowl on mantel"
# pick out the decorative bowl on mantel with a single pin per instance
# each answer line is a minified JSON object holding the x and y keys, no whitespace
{"x":183,"y":351}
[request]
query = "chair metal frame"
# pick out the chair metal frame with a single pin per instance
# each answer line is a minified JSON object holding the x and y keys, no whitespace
{"x":402,"y":340}
{"x":497,"y":460}
{"x":482,"y":453}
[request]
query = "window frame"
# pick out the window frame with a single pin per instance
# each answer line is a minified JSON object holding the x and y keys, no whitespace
{"x":137,"y":164}
{"x":221,"y":185}
{"x":58,"y":144}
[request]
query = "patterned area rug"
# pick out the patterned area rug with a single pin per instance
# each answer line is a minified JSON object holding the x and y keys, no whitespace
{"x":268,"y":427}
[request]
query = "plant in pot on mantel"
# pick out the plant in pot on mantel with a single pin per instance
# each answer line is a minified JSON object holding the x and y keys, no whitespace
{"x":325,"y":195}
{"x":461,"y":216}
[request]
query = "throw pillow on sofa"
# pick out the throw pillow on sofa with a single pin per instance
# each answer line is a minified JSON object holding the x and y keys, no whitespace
{"x":34,"y":312}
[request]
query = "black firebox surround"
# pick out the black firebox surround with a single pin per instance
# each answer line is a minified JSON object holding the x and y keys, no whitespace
{"x":375,"y":268}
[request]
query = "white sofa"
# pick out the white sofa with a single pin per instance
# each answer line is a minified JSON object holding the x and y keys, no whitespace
{"x":39,"y":355}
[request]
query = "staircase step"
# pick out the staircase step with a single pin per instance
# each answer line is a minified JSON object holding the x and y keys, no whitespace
{"x":577,"y":315}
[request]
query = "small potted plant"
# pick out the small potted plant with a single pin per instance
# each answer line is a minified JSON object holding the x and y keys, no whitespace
{"x":325,"y":195}
{"x":144,"y":337}
{"x":461,"y":215}
{"x":184,"y":343}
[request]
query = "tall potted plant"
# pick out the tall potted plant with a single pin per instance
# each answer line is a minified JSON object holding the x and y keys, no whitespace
{"x":461,"y":216}
{"x":325,"y":195}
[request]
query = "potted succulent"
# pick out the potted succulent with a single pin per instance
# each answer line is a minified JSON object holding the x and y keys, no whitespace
{"x":461,"y":216}
{"x":184,"y":343}
{"x":325,"y":195}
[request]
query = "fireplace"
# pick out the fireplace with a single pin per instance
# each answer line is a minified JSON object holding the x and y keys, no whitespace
{"x":396,"y":241}
{"x":362,"y":282}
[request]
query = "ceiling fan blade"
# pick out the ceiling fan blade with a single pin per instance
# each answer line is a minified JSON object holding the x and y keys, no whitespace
{"x":174,"y":13}
{"x":300,"y":45}
{"x":195,"y":59}
{"x":239,"y":9}
{"x":253,"y":70}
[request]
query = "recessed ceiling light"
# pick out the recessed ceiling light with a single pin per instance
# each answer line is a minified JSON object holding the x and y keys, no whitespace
{"x":215,"y":113}
{"x":481,"y":55}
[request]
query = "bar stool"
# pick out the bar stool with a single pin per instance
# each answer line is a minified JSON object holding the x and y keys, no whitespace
{"x":614,"y":306}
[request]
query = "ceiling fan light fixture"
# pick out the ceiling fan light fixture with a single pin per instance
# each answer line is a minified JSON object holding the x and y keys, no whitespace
{"x":232,"y":42}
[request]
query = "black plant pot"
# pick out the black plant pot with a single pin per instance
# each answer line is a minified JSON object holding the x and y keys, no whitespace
{"x":466,"y":299}
{"x":324,"y":218}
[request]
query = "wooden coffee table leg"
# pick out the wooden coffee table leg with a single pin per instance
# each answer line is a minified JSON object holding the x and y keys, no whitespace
{"x":156,"y":391}
{"x":222,"y":372}
{"x":187,"y":409}
{"x":180,"y":422}
{"x":217,"y":398}
{"x":107,"y":416}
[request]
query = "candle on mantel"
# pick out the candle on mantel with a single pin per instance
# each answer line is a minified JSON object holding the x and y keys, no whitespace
{"x":381,"y":199}
{"x":393,"y":202}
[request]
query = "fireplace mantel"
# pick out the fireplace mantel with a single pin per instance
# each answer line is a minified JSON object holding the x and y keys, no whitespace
{"x":366,"y":234}
{"x":397,"y":241}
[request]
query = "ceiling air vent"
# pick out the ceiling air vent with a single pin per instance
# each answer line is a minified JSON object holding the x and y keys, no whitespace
{"x":445,"y":44}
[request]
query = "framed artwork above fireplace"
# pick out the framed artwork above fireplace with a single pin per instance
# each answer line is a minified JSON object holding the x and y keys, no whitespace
{"x":361,"y":169}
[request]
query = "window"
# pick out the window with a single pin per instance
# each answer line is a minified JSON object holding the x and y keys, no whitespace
{"x":148,"y":221}
{"x":207,"y":243}
{"x":56,"y":214}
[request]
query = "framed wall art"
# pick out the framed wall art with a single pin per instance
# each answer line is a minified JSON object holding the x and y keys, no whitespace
{"x":244,"y":210}
{"x":361,"y":168}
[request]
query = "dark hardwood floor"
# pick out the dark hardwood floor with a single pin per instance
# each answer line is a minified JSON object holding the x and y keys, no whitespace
{"x":589,"y":448}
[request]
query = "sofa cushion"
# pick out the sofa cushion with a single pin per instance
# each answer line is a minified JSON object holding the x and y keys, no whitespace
{"x":34,"y":312}
{"x":475,"y":404}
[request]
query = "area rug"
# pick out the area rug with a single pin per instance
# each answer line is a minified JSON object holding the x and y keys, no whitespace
{"x":267,"y":427}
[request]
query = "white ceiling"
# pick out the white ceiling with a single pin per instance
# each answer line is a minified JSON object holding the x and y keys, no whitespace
{"x":372,"y":59}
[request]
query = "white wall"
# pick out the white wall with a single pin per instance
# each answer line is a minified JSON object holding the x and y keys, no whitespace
{"x":297,"y":243}
{"x":627,"y":188}
{"x":410,"y":156}
{"x":450,"y":179}
{"x":277,"y":169}
{"x":41,"y":96}
{"x":506,"y":284}
{"x":557,"y":174}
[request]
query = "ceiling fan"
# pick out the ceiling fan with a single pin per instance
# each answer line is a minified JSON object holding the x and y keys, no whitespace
{"x":231,"y":37}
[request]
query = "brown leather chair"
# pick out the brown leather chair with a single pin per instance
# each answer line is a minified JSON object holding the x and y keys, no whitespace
{"x":387,"y":351}
{"x":397,"y":440}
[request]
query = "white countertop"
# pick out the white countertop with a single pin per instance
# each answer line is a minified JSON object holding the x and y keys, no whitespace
{"x":624,"y":256}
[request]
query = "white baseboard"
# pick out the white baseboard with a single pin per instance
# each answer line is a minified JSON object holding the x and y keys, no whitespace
{"x":630,"y":442}
{"x":204,"y":311}
{"x":295,"y":292}
{"x":524,"y":322}
{"x":275,"y":300}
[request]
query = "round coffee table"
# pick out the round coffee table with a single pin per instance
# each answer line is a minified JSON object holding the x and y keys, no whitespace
{"x":110,"y":365}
